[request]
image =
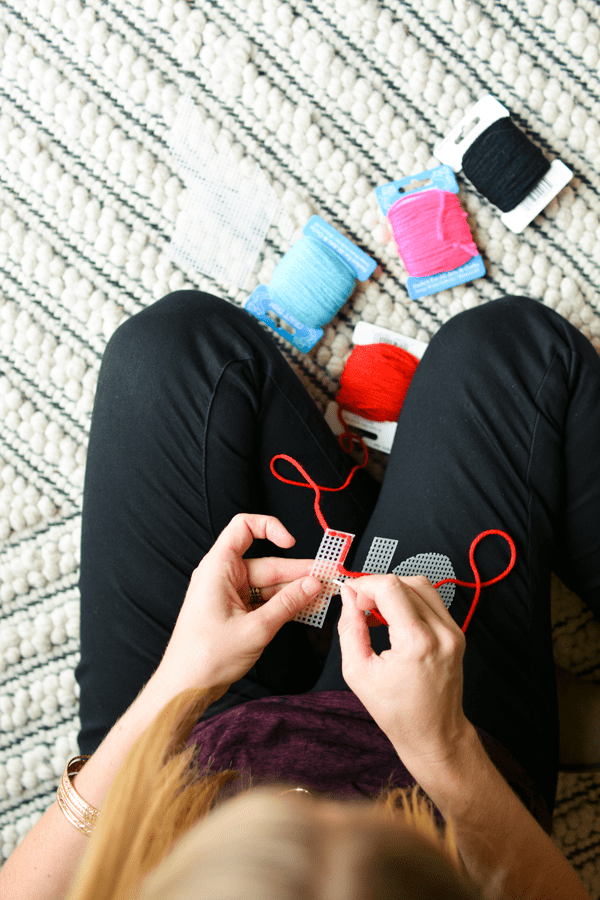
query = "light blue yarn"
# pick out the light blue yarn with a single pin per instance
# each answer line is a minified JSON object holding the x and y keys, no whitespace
{"x":312,"y":282}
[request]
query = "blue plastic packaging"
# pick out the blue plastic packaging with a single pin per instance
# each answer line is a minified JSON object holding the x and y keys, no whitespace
{"x":269,"y":308}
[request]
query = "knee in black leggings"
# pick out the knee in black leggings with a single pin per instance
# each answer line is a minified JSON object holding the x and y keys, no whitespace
{"x":156,"y":337}
{"x":510,"y":323}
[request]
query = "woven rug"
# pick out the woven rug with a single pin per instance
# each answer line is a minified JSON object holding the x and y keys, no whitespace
{"x":319,"y":101}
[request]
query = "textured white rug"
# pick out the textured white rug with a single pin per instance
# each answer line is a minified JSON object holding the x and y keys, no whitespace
{"x":330,"y":100}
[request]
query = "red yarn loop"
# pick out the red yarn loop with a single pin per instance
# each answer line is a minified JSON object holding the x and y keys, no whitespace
{"x":311,"y":483}
{"x":477,"y":584}
{"x":375,"y":380}
{"x":431,"y":232}
{"x":374,"y":614}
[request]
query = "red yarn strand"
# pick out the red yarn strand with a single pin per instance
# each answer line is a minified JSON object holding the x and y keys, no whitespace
{"x":311,"y":483}
{"x":382,"y":373}
{"x":477,"y":585}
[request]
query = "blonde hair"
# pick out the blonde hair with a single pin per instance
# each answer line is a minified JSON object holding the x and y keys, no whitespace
{"x":264,"y":846}
{"x":155,"y":840}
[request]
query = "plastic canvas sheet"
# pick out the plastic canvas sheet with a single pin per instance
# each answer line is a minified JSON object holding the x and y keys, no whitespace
{"x":332,"y":552}
{"x":227,"y":215}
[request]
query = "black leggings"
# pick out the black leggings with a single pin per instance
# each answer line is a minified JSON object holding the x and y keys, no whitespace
{"x":500,"y":429}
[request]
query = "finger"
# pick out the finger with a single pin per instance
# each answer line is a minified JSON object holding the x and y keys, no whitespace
{"x":416,"y":618}
{"x":387,"y":593}
{"x":428,"y":594}
{"x":286,"y":604}
{"x":244,"y":528}
{"x":271,"y":571}
{"x":355,"y":642}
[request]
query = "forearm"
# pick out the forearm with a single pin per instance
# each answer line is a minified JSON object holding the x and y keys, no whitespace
{"x":43,"y":865}
{"x":502,"y":846}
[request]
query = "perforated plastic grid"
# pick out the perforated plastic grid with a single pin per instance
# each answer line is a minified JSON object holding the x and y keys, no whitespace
{"x":379,"y":556}
{"x":332,"y":551}
{"x":434,"y":566}
{"x":228,"y":211}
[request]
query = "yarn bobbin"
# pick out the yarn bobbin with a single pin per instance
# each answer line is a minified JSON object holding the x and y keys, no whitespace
{"x":431,"y":232}
{"x":379,"y":435}
{"x":441,"y":179}
{"x":311,"y":283}
{"x":483,"y":120}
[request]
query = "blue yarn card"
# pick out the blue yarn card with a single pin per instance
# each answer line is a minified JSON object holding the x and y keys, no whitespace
{"x":338,"y":259}
{"x":440,"y":178}
{"x":431,"y":284}
{"x":261,"y":301}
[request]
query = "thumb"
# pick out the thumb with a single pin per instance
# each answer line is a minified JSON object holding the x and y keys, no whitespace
{"x":288,"y":602}
{"x":353,"y":630}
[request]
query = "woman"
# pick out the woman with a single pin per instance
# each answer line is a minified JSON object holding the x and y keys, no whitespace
{"x":499,"y":430}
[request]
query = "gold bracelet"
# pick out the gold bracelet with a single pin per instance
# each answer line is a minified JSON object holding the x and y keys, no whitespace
{"x":73,"y":807}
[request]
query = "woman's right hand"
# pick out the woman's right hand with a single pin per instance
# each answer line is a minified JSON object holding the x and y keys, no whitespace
{"x":413,"y":690}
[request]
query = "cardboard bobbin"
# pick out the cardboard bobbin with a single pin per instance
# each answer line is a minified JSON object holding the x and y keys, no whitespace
{"x":451,"y":150}
{"x":377,"y":435}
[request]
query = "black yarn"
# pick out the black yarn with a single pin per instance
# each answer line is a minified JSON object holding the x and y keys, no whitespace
{"x":503,"y":164}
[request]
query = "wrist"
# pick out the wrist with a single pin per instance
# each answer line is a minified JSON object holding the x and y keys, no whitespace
{"x":166,"y":684}
{"x":449,"y":776}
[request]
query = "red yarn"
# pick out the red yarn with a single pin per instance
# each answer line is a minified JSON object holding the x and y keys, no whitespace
{"x":317,"y":488}
{"x":375,"y":381}
{"x":431,"y":232}
{"x":477,"y":584}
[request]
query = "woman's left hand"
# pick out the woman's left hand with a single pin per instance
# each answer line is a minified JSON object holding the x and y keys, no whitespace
{"x":218,"y":636}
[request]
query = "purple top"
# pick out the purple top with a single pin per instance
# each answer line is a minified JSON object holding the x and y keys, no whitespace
{"x":326,"y":742}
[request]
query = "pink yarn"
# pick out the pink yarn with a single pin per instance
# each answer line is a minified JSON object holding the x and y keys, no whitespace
{"x":431,"y":232}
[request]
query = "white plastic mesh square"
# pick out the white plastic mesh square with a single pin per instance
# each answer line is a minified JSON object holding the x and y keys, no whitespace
{"x":332,"y":551}
{"x":434,"y":566}
{"x":227,"y":214}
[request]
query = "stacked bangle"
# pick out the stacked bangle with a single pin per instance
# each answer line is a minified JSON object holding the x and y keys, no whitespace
{"x":73,"y":807}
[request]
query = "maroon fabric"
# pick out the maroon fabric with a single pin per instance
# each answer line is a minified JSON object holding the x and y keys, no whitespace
{"x":326,"y":742}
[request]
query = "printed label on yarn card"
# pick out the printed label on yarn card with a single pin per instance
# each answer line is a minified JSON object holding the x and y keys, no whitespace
{"x":556,"y":178}
{"x":423,"y":287}
{"x":367,"y":333}
{"x":377,"y":435}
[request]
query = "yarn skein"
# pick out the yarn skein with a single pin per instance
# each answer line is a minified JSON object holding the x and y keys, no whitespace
{"x":312,"y":282}
{"x":431,"y":232}
{"x":504,"y":165}
{"x":375,"y":380}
